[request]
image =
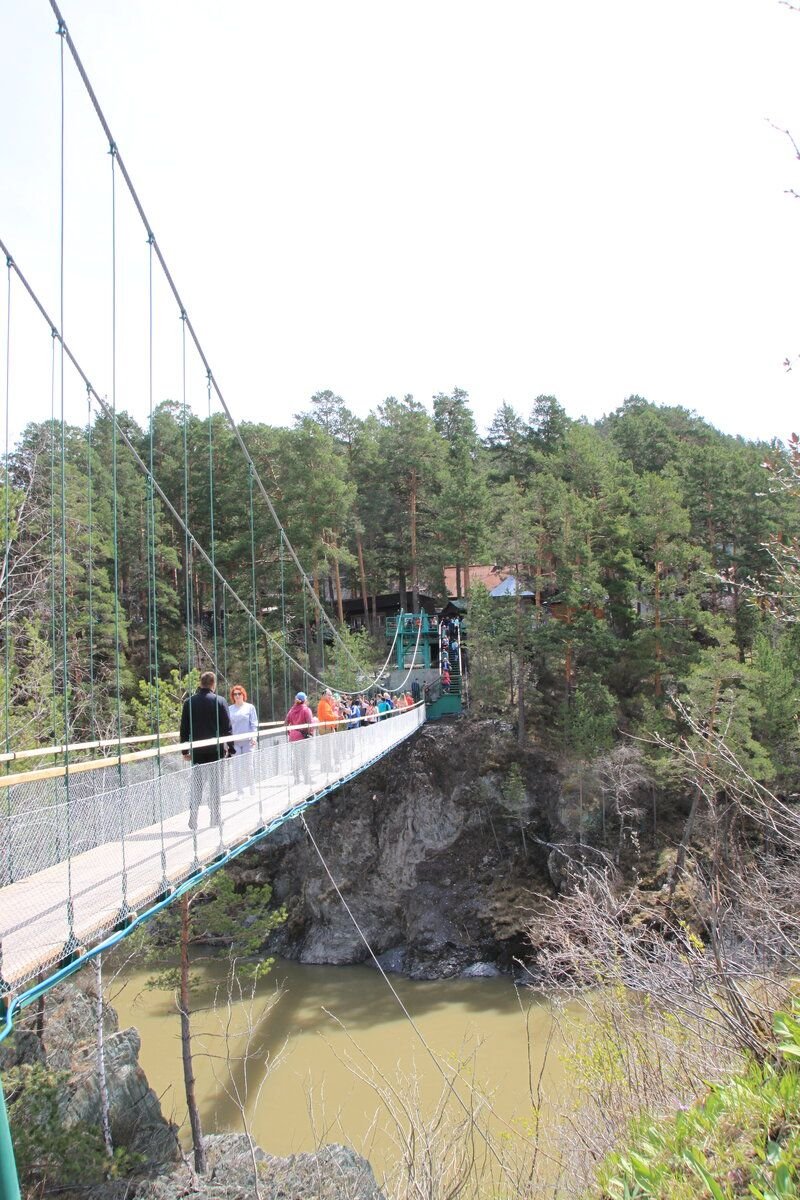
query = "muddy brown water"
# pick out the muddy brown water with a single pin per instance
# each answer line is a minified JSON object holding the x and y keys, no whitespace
{"x":314,"y":1036}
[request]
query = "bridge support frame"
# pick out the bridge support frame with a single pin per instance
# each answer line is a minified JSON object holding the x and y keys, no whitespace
{"x":9,"y":1181}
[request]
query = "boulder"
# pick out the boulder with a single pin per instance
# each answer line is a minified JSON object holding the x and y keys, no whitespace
{"x":332,"y":1173}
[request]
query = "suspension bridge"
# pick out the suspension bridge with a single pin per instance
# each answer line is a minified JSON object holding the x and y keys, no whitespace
{"x":101,"y":834}
{"x":87,"y":855}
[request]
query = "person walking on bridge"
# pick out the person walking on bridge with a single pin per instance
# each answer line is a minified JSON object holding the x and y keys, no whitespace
{"x":244,"y":719}
{"x":299,"y":720}
{"x":205,"y":716}
{"x":326,"y":715}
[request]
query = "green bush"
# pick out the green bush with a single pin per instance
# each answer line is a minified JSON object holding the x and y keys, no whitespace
{"x":47,"y":1151}
{"x":742,"y":1140}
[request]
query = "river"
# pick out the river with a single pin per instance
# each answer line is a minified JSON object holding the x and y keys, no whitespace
{"x":316,"y":1034}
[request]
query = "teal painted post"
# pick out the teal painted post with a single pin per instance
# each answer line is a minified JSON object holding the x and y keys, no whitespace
{"x":9,"y":1183}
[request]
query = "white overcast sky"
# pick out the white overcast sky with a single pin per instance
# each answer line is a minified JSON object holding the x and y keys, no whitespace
{"x":526,"y":196}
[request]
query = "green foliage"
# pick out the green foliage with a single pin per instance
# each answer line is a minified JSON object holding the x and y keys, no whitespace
{"x":47,"y":1149}
{"x":163,"y":699}
{"x":349,"y":664}
{"x":513,"y":790}
{"x":490,"y":633}
{"x":742,"y":1139}
{"x":722,"y":695}
{"x":240,"y":919}
{"x":588,"y":720}
{"x":776,"y":691}
{"x":638,"y":538}
{"x":787,"y":1032}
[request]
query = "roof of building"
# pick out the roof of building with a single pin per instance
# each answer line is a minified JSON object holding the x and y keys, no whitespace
{"x":454,"y":608}
{"x":388,"y":602}
{"x":488,"y":576}
{"x":509,"y":588}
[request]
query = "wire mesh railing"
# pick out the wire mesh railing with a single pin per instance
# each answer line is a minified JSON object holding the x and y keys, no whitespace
{"x":81,"y":854}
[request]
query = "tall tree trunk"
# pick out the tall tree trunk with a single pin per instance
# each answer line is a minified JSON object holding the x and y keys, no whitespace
{"x":100,"y":1047}
{"x":458,"y":580}
{"x":362,"y":575}
{"x":337,"y":577}
{"x":466,"y":574}
{"x":186,"y":1045}
{"x":568,"y":657}
{"x":521,"y":731}
{"x":688,"y":829}
{"x":414,"y":565}
{"x":313,"y":657}
{"x":580,"y":805}
{"x":657,"y":621}
{"x":683,"y":848}
{"x":538,"y":584}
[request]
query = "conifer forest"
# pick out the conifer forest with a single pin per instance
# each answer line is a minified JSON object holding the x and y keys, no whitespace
{"x":655,"y":551}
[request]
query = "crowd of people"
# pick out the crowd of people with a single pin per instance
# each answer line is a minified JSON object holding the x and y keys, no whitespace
{"x":231,"y":730}
{"x":452,"y":652}
{"x":336,"y":711}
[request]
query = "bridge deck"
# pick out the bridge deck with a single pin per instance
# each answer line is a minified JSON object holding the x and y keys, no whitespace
{"x":53,"y":900}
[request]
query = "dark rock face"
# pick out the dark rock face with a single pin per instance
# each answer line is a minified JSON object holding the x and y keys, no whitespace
{"x":135,"y":1112}
{"x":433,"y":849}
{"x":332,"y":1173}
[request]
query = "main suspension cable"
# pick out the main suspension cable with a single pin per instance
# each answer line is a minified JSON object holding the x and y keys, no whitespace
{"x":114,"y":430}
{"x":118,"y":430}
{"x":182,"y":309}
{"x":90,"y":562}
{"x":7,"y":514}
{"x":7,"y":572}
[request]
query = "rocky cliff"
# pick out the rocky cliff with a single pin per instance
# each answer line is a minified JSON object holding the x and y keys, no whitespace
{"x":439,"y":849}
{"x":62,"y":1037}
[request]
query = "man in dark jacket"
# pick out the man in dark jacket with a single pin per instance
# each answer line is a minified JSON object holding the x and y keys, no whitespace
{"x":205,"y":715}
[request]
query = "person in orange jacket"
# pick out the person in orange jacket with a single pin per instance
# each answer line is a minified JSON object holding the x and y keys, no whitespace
{"x":326,"y":711}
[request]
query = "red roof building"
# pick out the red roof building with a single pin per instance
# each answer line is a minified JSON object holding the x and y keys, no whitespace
{"x":490,"y":577}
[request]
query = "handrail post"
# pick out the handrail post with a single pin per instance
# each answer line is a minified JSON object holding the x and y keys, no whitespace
{"x":9,"y":1182}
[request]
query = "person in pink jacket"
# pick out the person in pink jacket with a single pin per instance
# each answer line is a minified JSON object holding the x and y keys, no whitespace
{"x":299,"y":720}
{"x":299,"y":714}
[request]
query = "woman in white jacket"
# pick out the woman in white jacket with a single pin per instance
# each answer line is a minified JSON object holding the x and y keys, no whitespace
{"x":244,"y":719}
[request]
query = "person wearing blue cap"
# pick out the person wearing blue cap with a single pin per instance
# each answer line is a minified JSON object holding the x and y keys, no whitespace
{"x":299,"y":720}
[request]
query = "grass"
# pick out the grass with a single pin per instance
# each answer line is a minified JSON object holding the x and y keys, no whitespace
{"x":741,"y":1140}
